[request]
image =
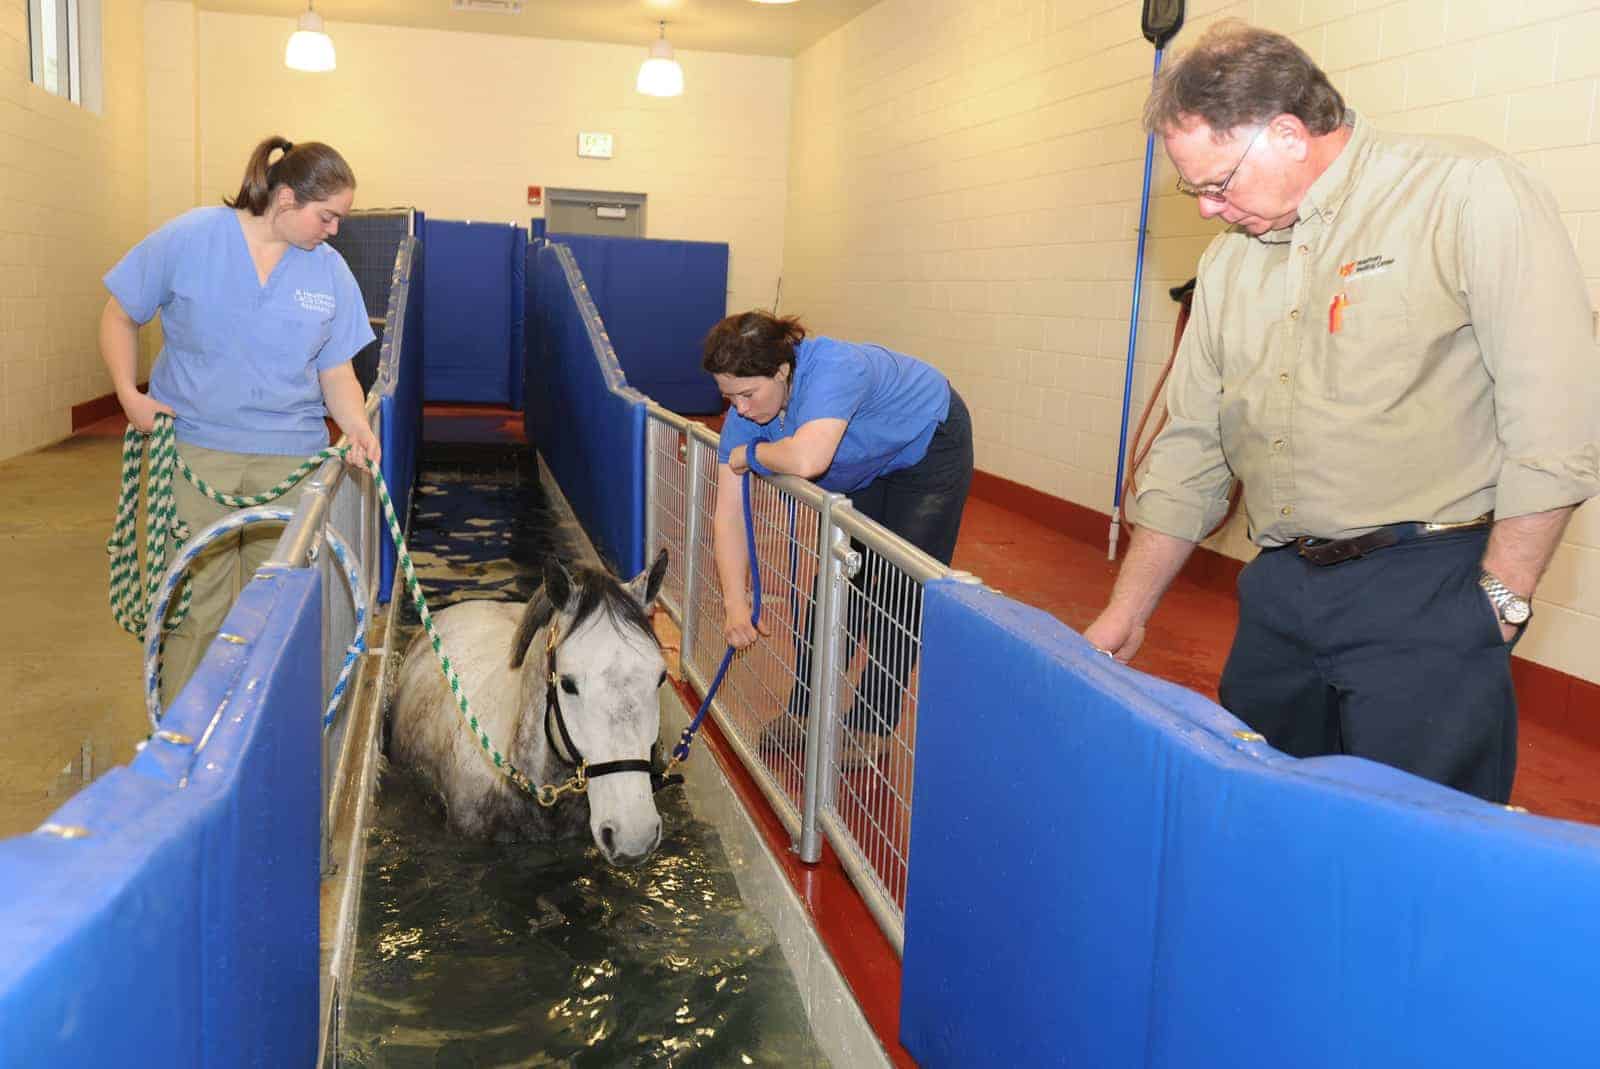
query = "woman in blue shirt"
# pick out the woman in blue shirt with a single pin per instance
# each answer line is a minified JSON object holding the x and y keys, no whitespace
{"x":884,"y":428}
{"x":260,"y":320}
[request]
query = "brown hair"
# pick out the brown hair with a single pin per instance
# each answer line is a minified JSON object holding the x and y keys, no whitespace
{"x":1238,"y":75}
{"x":751,"y":344}
{"x":312,"y":170}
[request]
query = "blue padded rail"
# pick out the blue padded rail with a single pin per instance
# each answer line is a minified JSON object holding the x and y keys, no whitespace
{"x":582,"y":417}
{"x":1106,"y":875}
{"x":472,"y":350}
{"x":658,"y":300}
{"x":182,"y":931}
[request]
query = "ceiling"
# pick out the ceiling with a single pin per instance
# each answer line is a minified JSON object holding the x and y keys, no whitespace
{"x":695,"y":25}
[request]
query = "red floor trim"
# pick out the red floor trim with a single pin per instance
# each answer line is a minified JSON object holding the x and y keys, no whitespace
{"x":97,"y":409}
{"x":864,"y":957}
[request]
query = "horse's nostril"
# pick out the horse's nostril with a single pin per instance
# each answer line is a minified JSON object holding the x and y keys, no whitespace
{"x":608,"y":837}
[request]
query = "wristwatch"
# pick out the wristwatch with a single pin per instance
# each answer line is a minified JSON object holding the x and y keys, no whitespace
{"x":1512,"y":607}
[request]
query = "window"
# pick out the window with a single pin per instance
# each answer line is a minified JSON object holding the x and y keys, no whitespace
{"x":64,"y":43}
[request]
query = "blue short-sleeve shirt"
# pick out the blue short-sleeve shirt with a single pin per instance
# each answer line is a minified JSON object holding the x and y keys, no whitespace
{"x":891,"y":404}
{"x":239,"y":360}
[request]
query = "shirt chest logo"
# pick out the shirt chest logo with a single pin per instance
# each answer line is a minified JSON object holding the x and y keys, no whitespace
{"x":312,"y":301}
{"x":1366,"y":265}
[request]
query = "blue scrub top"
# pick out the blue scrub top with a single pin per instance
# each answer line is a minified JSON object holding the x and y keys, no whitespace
{"x":892,"y":404}
{"x":239,"y":360}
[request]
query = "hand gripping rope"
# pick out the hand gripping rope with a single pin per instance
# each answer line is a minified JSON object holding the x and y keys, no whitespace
{"x":680,"y":752}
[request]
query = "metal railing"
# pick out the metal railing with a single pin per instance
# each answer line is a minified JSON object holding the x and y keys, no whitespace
{"x":345,"y":501}
{"x":822,"y":711}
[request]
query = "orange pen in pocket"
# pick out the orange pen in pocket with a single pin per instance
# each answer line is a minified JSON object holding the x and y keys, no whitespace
{"x":1336,"y":309}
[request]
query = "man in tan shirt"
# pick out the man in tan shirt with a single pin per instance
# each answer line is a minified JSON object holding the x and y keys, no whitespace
{"x":1390,"y":348}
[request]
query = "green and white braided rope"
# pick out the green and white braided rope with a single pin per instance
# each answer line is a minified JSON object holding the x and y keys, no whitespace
{"x":546,"y":794}
{"x":131,"y":597}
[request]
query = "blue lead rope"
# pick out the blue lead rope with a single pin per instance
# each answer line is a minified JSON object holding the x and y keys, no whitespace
{"x":680,"y":752}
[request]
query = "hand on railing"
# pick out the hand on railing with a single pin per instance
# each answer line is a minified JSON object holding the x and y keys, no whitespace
{"x":363,"y":447}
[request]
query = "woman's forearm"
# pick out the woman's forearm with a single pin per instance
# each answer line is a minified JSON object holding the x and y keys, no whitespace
{"x":119,"y":348}
{"x":341,"y":392}
{"x":727,"y":543}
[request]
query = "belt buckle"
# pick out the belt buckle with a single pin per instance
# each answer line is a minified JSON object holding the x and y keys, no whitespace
{"x":1324,"y":552}
{"x":1459,"y":525}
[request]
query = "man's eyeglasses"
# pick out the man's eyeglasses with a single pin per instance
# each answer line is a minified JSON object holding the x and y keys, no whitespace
{"x":1218,"y":191}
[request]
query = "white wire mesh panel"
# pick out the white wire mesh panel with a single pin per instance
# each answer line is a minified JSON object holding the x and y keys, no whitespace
{"x":875,"y":681}
{"x":764,"y":699}
{"x":669,"y":508}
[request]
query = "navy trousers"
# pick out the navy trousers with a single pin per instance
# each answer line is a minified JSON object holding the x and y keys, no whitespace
{"x":1396,"y":656}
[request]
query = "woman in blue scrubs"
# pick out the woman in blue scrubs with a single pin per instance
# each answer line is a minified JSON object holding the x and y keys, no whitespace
{"x":260,"y":320}
{"x":882,"y":427}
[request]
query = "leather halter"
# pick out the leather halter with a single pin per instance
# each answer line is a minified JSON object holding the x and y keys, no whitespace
{"x":552,"y":711}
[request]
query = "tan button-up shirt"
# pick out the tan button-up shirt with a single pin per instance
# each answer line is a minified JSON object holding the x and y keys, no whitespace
{"x":1417,"y":347}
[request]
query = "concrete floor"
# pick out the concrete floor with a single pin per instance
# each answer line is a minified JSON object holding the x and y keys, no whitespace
{"x":70,"y":675}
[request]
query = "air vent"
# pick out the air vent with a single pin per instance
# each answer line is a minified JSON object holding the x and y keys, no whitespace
{"x":493,"y":7}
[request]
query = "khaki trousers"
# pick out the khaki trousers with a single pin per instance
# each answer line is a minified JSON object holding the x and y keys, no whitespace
{"x":218,"y":574}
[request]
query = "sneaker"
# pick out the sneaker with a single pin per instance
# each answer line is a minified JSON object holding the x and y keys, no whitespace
{"x":782,"y":742}
{"x":859,"y":749}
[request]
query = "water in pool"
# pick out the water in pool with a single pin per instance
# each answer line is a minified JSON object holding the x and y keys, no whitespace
{"x":474,"y":954}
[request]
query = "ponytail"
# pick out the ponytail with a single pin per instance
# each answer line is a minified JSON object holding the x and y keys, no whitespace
{"x":312,"y":170}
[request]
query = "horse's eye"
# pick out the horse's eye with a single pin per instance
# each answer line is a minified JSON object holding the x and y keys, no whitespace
{"x":569,"y":685}
{"x":663,"y":678}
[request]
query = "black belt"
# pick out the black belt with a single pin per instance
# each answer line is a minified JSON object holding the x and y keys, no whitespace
{"x":1327,"y":551}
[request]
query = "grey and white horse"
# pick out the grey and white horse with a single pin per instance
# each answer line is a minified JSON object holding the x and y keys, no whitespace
{"x":584,"y":642}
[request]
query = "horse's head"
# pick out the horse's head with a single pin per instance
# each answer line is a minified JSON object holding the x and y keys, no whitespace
{"x":607,"y":667}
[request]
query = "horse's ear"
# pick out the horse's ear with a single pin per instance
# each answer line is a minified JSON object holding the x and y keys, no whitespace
{"x":646,"y":585}
{"x":558,"y":584}
{"x":535,"y":616}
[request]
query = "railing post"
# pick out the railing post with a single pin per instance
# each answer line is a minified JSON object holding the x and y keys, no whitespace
{"x":693,"y":492}
{"x":834,"y":569}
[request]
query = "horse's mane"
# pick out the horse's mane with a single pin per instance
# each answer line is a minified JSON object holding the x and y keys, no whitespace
{"x":598,"y":591}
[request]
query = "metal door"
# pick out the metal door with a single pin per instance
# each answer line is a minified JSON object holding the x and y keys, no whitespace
{"x":593,"y":211}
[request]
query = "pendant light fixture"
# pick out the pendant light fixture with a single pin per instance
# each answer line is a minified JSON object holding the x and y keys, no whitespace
{"x":660,"y":75}
{"x":309,"y":48}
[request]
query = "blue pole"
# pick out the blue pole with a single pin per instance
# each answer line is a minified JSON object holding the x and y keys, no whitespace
{"x":1133,"y":335}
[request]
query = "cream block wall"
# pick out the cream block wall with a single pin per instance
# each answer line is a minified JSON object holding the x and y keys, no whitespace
{"x":72,"y":200}
{"x":964,"y":185}
{"x":172,"y":105}
{"x":461,"y":124}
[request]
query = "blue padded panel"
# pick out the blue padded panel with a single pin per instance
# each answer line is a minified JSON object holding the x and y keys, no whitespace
{"x":581,"y":415}
{"x":467,"y":311}
{"x":519,"y":317}
{"x":658,"y":300}
{"x":1158,"y":892}
{"x":183,"y":930}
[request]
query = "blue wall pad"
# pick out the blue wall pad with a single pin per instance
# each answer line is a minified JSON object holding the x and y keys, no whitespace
{"x":658,"y":300}
{"x":402,"y":421}
{"x":470,"y":347}
{"x":1106,"y":875}
{"x":582,"y":416}
{"x":182,"y":930}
